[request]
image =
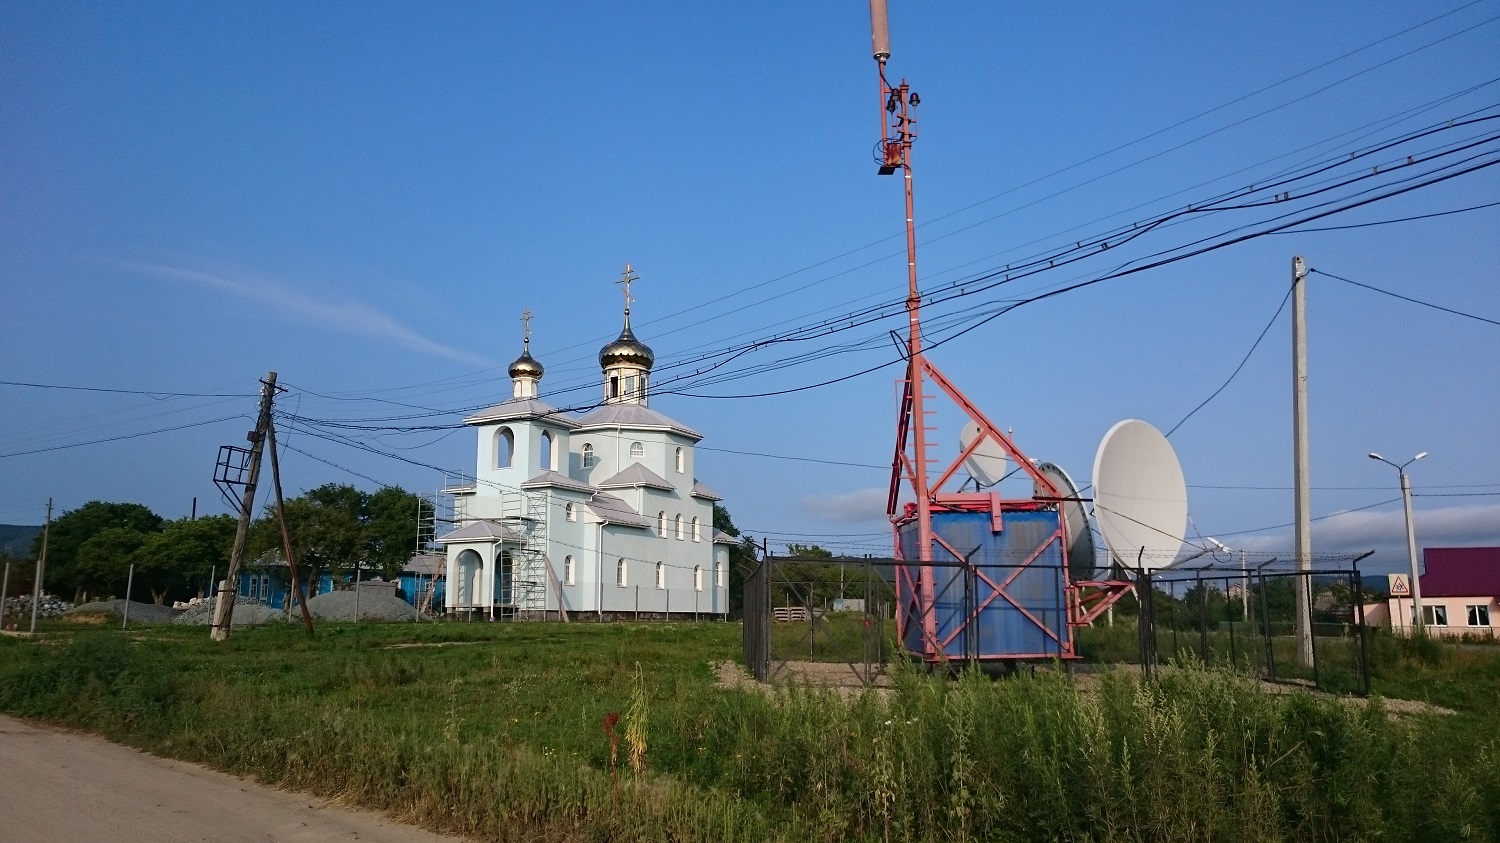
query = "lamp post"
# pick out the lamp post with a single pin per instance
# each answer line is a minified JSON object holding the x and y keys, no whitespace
{"x":1411,"y":537}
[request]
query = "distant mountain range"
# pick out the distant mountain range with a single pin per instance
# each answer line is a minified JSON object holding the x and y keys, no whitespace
{"x":15,"y":539}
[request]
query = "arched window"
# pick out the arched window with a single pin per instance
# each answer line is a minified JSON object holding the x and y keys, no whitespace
{"x":643,"y":387}
{"x":620,"y":573}
{"x":614,"y":386}
{"x":677,"y":524}
{"x":588,"y":455}
{"x":637,"y":450}
{"x":568,"y":571}
{"x":697,"y":533}
{"x":661,"y":575}
{"x":661,"y":524}
{"x":570,"y":512}
{"x":681,"y":461}
{"x":697,"y":577}
{"x":718,"y":575}
{"x":505,"y":447}
{"x":546,"y":451}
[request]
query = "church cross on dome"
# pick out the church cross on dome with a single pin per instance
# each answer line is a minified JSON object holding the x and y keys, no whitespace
{"x":626,"y":278}
{"x":526,"y":328}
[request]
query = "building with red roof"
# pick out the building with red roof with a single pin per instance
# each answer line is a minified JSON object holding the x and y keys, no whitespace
{"x":1460,"y":594}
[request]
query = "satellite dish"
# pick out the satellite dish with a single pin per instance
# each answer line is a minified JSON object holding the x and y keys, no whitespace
{"x":1140,"y":497}
{"x":1081,"y":563}
{"x":987,"y":463}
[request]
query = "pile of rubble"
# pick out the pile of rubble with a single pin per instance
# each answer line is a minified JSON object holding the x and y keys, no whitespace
{"x":374,"y":605}
{"x":48,"y":607}
{"x":247,"y":612}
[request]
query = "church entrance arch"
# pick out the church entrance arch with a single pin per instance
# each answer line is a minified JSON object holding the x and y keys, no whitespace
{"x":470,"y":578}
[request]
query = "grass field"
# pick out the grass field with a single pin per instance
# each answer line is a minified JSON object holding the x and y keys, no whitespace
{"x":497,"y":731}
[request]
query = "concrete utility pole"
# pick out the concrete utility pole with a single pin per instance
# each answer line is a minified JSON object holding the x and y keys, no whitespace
{"x":1418,"y":620}
{"x":224,"y":605}
{"x":41,"y":568}
{"x":1302,"y":498}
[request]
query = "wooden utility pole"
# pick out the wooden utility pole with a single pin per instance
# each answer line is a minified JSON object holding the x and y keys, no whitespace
{"x":286,"y":536}
{"x":41,"y":568}
{"x":1302,"y":497}
{"x":224,"y":604}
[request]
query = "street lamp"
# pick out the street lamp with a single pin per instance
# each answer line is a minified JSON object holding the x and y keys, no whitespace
{"x":1411,"y":536}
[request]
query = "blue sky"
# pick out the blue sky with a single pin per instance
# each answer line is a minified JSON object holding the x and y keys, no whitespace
{"x":364,"y":197}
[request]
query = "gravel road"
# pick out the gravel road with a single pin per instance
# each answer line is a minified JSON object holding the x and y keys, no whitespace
{"x":57,"y":785}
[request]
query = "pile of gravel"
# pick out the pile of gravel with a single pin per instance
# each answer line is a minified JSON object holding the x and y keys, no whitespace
{"x":246,"y":613}
{"x":339,"y":606}
{"x":139,"y":612}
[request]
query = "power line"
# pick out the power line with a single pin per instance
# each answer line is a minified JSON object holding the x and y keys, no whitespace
{"x":125,"y":436}
{"x":1406,"y":298}
{"x":1230,"y":379}
{"x":148,"y":392}
{"x":1393,"y":221}
{"x":1319,"y":518}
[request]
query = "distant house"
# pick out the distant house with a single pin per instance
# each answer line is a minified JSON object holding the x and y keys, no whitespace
{"x":1460,"y":595}
{"x":268,"y":581}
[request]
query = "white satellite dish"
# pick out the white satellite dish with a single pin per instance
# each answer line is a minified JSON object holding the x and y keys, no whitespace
{"x":1081,"y":563}
{"x":987,"y":463}
{"x":1140,"y":496}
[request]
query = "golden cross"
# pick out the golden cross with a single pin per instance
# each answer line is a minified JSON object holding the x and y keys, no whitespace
{"x":625,"y":278}
{"x":526,"y":326}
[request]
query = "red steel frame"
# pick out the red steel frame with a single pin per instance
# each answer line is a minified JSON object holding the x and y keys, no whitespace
{"x":898,"y":129}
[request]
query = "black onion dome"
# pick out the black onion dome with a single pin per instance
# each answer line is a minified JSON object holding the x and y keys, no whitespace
{"x":626,"y":349}
{"x":526,"y":366}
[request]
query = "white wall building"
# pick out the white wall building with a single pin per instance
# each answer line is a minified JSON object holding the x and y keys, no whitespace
{"x":600,"y":512}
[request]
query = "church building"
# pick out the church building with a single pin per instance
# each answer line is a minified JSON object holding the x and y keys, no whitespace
{"x":596,"y":514}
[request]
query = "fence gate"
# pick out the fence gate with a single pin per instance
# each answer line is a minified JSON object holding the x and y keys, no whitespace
{"x":826,"y":618}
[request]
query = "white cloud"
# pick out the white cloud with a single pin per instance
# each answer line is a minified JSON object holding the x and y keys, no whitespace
{"x":350,"y":317}
{"x":1384,"y":531}
{"x":860,"y":506}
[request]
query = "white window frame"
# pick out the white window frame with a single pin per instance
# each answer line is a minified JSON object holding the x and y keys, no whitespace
{"x":697,"y":530}
{"x":1478,"y":614}
{"x":661,"y":524}
{"x":588,"y":455}
{"x":505,"y":435}
{"x":637,"y":451}
{"x":568,"y":571}
{"x":677,"y":525}
{"x":570,"y":511}
{"x":719,"y":574}
{"x":697,"y":577}
{"x":681,"y":460}
{"x":544,"y":456}
{"x":1432,"y":615}
{"x":661,"y":575}
{"x":622,"y":574}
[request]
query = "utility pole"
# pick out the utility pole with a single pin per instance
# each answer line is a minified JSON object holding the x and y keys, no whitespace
{"x":1302,"y":500}
{"x":1411,"y":555}
{"x":224,"y":606}
{"x":286,"y":536}
{"x":41,"y":568}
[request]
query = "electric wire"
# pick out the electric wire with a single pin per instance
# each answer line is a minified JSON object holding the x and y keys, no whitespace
{"x":1407,"y":298}
{"x":1246,"y":359}
{"x":121,"y":437}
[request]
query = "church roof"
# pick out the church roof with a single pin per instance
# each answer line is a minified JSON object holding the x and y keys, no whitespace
{"x":612,"y":510}
{"x":521,"y":408}
{"x":721,"y":537}
{"x":637,"y":475}
{"x":552,"y":478}
{"x":634,"y":416}
{"x":702,"y":491}
{"x":481,"y":531}
{"x":425,"y":564}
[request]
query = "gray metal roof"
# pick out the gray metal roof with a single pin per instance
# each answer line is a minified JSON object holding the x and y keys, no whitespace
{"x":702,"y":491}
{"x":721,"y":537}
{"x":479,"y":531}
{"x":637,"y":475}
{"x":552,"y":478}
{"x":635,"y":416}
{"x":612,"y":510}
{"x":521,"y":408}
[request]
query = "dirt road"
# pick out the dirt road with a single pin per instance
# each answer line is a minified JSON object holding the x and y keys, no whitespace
{"x":62,"y":786}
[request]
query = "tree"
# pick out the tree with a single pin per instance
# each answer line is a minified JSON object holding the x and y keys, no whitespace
{"x":102,"y":563}
{"x":183,"y":554}
{"x":742,"y":557}
{"x":73,"y":528}
{"x":391,"y":529}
